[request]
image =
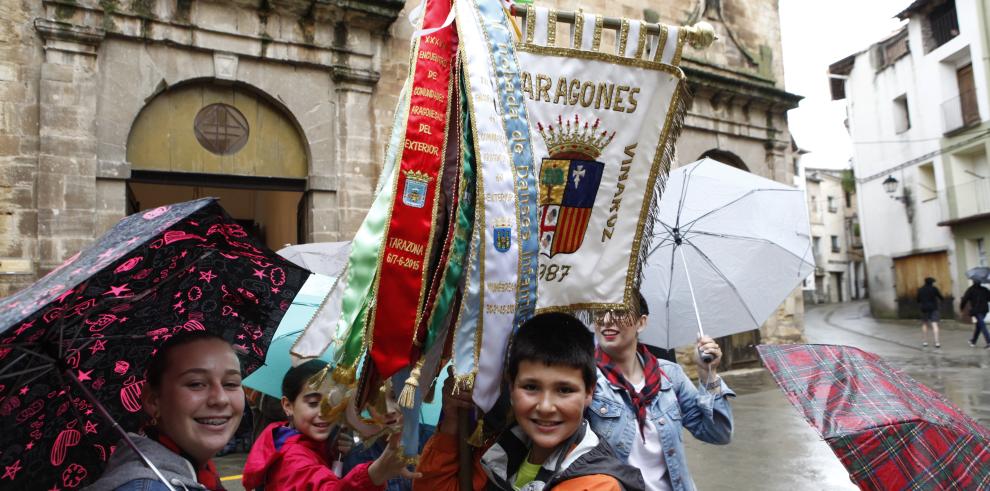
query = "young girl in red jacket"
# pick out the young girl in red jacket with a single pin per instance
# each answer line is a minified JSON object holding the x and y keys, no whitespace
{"x":295,"y":455}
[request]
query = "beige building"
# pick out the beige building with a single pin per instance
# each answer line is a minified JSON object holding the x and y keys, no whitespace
{"x":282,"y":108}
{"x":836,"y":243}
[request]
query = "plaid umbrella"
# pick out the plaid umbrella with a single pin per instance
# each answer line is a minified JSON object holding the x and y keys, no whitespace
{"x":73,"y":345}
{"x":889,"y":430}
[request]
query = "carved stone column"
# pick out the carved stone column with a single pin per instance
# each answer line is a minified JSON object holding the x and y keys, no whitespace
{"x":67,"y":163}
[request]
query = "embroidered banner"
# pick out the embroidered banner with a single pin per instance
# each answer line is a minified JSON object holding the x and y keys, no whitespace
{"x":409,"y":234}
{"x":606,"y":125}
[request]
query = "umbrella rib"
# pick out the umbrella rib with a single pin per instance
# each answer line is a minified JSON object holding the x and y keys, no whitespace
{"x":11,"y":364}
{"x":747,"y":194}
{"x":680,"y":201}
{"x":752,"y":239}
{"x":727,"y":282}
{"x":26,"y":371}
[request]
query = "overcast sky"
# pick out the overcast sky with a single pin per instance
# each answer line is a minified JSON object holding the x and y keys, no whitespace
{"x":815,"y":35}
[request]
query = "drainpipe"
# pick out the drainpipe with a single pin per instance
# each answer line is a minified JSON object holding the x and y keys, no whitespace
{"x":983,"y":14}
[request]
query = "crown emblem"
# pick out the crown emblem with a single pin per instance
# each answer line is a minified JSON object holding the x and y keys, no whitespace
{"x":574,"y":139}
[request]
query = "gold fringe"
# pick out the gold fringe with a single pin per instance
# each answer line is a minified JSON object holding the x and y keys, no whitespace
{"x":683,"y":101}
{"x":477,"y":438}
{"x":463,"y":382}
{"x":407,"y":398}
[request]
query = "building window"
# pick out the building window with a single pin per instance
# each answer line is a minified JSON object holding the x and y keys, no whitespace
{"x":902,"y":119}
{"x":831,"y":205}
{"x":926,"y":182}
{"x":816,"y":243}
{"x":835,"y":243}
{"x":848,"y":199}
{"x":942,"y":24}
{"x":981,"y":252}
{"x":221,"y":129}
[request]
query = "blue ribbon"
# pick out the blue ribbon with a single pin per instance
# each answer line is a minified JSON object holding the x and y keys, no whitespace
{"x":516,"y":125}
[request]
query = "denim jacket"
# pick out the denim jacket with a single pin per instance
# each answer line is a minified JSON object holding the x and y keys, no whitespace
{"x":679,"y":404}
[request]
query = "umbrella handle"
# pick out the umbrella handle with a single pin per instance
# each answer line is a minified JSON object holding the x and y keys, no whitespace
{"x":705,"y":357}
{"x":116,"y":426}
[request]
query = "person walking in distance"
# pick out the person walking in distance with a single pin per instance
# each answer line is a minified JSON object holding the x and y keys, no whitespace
{"x":976,"y":299}
{"x":929,"y":299}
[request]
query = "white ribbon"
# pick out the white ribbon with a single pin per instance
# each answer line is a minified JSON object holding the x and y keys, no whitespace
{"x":417,"y":14}
{"x":497,"y":208}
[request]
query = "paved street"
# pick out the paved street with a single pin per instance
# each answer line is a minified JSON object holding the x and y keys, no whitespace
{"x":774,"y":448}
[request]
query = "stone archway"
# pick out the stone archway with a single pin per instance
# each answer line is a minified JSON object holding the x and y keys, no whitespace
{"x":204,"y":138}
{"x":726,"y":157}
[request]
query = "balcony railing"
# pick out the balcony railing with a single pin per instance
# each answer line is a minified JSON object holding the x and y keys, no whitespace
{"x":960,"y":111}
{"x":969,"y":198}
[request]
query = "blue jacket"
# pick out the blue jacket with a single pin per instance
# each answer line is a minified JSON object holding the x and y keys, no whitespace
{"x":680,"y":404}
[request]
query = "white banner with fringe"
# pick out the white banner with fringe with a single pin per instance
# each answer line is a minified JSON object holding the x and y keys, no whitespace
{"x":605,"y":121}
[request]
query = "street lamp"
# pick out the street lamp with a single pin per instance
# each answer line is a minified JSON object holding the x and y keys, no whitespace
{"x":890,"y":185}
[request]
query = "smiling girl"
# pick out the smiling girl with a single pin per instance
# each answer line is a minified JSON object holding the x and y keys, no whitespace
{"x":294,"y":455}
{"x":194,"y":398}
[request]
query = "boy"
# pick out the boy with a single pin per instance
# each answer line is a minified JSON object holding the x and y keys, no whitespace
{"x":551,"y":376}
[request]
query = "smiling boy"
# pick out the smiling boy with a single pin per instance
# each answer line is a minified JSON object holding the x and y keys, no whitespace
{"x":551,"y":375}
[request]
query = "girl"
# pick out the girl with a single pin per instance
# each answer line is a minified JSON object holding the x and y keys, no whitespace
{"x":194,"y":397}
{"x":293,"y":456}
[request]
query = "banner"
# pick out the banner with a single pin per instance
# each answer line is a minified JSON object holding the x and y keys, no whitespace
{"x":606,"y":123}
{"x":409,"y":234}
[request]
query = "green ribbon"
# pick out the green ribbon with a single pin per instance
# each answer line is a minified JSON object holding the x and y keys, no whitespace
{"x":363,"y":260}
{"x":454,"y":270}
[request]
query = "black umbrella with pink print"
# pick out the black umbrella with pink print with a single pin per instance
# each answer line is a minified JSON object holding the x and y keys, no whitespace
{"x":73,"y":345}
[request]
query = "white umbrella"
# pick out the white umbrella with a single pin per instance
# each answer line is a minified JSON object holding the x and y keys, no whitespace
{"x":326,"y":258}
{"x":728,"y":247}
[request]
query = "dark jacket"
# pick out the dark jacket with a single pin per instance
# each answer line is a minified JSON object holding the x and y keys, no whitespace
{"x":976,"y":297}
{"x":590,"y":464}
{"x":126,"y":471}
{"x":928,"y":298}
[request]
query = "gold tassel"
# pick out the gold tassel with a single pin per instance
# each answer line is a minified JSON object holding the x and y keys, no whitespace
{"x":477,"y":438}
{"x":407,"y":398}
{"x":316,"y":381}
{"x":345,"y":375}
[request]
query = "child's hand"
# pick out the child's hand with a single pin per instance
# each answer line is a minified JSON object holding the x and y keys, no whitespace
{"x":390,"y":464}
{"x":452,"y":404}
{"x":345,"y":441}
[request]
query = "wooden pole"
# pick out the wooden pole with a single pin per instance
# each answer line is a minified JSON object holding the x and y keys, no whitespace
{"x":699,"y":36}
{"x":465,"y":453}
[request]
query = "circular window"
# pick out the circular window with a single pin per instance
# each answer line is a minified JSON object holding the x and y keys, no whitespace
{"x":221,"y":129}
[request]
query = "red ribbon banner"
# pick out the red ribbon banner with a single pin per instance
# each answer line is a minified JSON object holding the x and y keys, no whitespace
{"x":402,"y":274}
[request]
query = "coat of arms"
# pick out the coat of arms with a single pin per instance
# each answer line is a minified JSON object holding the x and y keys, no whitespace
{"x":569,"y":180}
{"x":503,"y":236}
{"x":414,"y":192}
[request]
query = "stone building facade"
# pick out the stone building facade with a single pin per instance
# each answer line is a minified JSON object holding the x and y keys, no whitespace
{"x":90,"y":92}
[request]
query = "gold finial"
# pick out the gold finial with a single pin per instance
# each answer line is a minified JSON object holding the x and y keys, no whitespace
{"x":701,"y":35}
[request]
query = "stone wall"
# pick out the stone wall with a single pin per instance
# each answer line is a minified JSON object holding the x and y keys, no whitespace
{"x":74,"y":75}
{"x":20,"y":50}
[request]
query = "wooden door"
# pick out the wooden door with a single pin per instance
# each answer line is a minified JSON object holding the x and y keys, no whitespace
{"x":967,"y":95}
{"x":909,"y":275}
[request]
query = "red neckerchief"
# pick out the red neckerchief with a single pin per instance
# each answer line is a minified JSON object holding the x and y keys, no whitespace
{"x":651,"y":372}
{"x":206,"y":474}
